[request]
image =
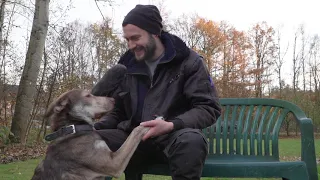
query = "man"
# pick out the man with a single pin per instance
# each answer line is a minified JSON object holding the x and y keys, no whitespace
{"x":164,"y":78}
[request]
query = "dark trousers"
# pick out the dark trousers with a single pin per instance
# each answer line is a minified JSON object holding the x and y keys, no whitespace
{"x":184,"y":150}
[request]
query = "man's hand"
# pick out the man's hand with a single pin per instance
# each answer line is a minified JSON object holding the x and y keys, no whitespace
{"x":157,"y":127}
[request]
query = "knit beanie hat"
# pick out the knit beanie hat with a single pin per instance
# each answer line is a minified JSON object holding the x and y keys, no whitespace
{"x":146,"y":17}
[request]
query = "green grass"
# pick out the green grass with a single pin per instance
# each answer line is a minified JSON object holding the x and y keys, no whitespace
{"x":292,"y":147}
{"x":22,"y":170}
{"x":289,"y":149}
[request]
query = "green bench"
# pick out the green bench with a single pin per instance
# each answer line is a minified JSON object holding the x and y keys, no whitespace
{"x":246,"y":144}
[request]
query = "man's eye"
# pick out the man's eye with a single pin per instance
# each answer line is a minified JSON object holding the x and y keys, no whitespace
{"x":135,"y":38}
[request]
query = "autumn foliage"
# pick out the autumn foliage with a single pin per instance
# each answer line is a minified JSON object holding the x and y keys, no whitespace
{"x":242,"y":63}
{"x":236,"y":59}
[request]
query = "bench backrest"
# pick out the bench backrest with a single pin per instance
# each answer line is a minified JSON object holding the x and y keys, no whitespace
{"x":249,"y":126}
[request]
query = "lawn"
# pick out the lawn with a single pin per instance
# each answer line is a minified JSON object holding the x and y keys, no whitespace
{"x":289,"y":149}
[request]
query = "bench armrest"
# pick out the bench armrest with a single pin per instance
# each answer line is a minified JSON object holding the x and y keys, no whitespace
{"x":307,"y":146}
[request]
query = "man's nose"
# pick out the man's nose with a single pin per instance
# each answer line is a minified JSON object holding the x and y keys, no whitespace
{"x":131,"y":45}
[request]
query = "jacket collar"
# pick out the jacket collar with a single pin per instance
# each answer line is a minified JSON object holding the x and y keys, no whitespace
{"x":175,"y":50}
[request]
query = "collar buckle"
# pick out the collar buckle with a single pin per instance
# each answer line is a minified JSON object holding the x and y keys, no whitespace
{"x":73,"y":128}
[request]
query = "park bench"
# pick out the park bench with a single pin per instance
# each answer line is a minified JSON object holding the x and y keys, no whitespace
{"x":247,"y":144}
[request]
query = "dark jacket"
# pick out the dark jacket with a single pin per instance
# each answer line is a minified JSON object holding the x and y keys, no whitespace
{"x":181,"y":91}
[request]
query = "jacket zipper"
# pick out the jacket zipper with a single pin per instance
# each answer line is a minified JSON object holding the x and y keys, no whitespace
{"x":142,"y":113}
{"x":151,"y":85}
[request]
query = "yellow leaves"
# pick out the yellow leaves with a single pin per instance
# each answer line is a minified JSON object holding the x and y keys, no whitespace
{"x":95,"y":27}
{"x":207,"y":26}
{"x":103,"y":29}
{"x":231,"y":54}
{"x":211,"y":33}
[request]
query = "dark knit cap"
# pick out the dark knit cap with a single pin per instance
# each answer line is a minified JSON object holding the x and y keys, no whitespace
{"x":146,"y":17}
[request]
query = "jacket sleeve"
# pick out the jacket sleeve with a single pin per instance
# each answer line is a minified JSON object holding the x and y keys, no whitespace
{"x":112,"y":119}
{"x":202,"y":94}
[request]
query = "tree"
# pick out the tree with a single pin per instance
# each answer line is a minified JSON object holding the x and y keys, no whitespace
{"x":2,"y":64}
{"x":314,"y":78}
{"x":234,"y":62}
{"x":295,"y":65}
{"x":315,"y":67}
{"x":2,"y":12}
{"x":107,"y":46}
{"x":280,"y":61}
{"x":263,"y":52}
{"x":211,"y":42}
{"x":27,"y":85}
{"x":185,"y":28}
{"x":303,"y":63}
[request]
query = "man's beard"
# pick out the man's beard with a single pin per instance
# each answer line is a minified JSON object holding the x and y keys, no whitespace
{"x":149,"y":50}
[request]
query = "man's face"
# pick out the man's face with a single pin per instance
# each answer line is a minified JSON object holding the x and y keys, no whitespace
{"x":140,"y":42}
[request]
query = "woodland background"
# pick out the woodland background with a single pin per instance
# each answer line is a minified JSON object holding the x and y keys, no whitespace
{"x":61,"y":56}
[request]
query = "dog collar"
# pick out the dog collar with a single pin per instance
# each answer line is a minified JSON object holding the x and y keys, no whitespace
{"x":70,"y":129}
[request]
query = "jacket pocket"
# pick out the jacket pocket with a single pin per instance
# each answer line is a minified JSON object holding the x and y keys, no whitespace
{"x":172,"y":85}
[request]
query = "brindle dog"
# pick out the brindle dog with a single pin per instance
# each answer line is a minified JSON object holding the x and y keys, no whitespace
{"x":76,"y":150}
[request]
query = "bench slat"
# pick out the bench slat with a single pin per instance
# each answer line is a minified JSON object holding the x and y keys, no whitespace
{"x":245,"y":131}
{"x":232,"y":127}
{"x":260,"y":131}
{"x":225,"y":130}
{"x":254,"y":129}
{"x":267,"y":133}
{"x":239,"y":129}
{"x":276,"y":130}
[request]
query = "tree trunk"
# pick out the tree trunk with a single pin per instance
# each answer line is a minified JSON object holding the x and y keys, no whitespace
{"x":51,"y":88}
{"x":2,"y":8}
{"x":288,"y":127}
{"x":36,"y":105}
{"x":294,"y":80}
{"x":2,"y":81}
{"x":27,"y":86}
{"x":303,"y":68}
{"x":279,"y":62}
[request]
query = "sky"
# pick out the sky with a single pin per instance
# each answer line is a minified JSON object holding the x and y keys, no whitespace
{"x":242,"y":14}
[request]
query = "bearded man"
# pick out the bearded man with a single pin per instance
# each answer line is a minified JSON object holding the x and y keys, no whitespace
{"x":166,"y":87}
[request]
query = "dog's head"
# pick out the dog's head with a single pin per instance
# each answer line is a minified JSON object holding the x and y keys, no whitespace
{"x":77,"y":105}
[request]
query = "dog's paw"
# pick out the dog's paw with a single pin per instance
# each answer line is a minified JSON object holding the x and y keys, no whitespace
{"x":141,"y":130}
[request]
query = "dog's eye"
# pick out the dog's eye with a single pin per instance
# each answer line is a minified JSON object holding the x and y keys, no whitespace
{"x":88,"y":95}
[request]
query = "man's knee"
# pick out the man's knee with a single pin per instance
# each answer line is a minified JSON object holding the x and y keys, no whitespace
{"x":187,"y":155}
{"x":192,"y":138}
{"x":189,"y":142}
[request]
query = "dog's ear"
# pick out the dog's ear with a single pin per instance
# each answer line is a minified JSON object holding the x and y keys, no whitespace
{"x":61,"y":105}
{"x":57,"y":106}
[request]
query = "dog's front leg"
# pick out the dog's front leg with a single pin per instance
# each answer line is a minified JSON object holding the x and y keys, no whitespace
{"x":122,"y":156}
